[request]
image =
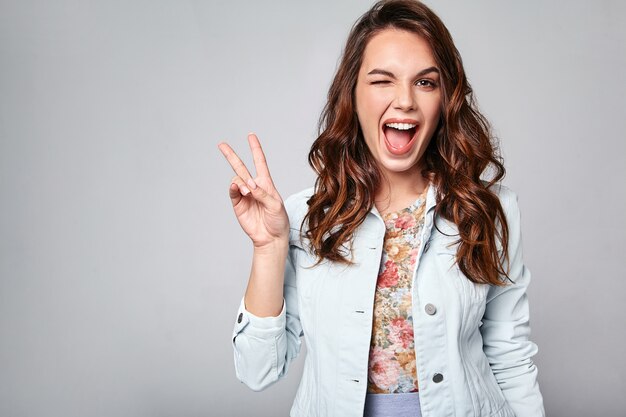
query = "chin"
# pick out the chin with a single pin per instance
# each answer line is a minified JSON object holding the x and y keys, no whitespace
{"x":399,"y":166}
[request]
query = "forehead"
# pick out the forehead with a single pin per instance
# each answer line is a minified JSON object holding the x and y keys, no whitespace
{"x":395,"y":47}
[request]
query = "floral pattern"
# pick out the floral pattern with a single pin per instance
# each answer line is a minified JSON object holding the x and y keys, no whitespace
{"x":392,"y":352}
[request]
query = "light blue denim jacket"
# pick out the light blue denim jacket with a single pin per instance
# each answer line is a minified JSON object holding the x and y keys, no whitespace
{"x":474,"y":335}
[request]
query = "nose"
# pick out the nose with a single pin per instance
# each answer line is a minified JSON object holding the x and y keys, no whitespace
{"x":405,"y":98}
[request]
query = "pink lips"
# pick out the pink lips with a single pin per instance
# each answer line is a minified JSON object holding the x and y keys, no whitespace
{"x":409,"y":145}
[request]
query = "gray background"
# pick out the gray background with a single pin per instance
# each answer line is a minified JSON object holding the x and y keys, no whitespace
{"x":121,"y":262}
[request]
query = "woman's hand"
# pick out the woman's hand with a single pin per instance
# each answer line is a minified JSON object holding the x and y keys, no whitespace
{"x":257,"y":205}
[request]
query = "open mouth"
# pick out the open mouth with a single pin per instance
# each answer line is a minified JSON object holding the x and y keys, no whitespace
{"x":399,"y":137}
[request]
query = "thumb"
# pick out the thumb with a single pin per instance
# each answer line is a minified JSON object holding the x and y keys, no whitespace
{"x":262,"y":196}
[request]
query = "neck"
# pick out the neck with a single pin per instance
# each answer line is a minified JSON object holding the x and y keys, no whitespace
{"x":399,"y":189}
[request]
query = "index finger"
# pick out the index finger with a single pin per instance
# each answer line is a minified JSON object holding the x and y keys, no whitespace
{"x":236,"y":164}
{"x":258,"y":156}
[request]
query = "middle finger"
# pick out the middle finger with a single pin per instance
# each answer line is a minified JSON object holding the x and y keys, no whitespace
{"x":258,"y":156}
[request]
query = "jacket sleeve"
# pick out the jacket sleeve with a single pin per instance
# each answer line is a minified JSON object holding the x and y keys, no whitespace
{"x":506,"y":328}
{"x":265,"y":347}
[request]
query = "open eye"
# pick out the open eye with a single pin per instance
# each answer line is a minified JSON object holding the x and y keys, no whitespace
{"x":426,"y":83}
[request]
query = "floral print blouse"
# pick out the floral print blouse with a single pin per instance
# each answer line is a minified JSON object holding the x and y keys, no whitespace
{"x":392,"y":352}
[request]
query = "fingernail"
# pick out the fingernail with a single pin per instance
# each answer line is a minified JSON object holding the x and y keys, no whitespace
{"x":251,"y":183}
{"x":244,"y":190}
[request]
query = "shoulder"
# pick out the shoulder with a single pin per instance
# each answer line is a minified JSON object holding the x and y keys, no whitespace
{"x":297,"y":207}
{"x":509,"y":201}
{"x":507,"y":197}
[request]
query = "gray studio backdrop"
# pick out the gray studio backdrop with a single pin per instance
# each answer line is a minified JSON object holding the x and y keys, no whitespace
{"x":121,"y":263}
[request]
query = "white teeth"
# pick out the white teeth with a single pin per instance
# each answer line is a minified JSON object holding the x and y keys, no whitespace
{"x":401,"y":126}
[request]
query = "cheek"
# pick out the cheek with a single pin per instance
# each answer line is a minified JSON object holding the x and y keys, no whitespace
{"x":371,"y":106}
{"x":432,"y":110}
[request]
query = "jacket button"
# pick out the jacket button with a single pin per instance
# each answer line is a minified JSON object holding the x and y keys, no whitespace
{"x":437,"y":378}
{"x":240,"y":318}
{"x":430,"y":309}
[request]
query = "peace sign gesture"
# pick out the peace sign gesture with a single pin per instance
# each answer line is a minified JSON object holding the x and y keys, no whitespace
{"x":257,"y":205}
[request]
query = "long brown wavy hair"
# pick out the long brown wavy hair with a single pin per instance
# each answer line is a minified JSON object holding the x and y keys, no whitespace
{"x":459,"y":152}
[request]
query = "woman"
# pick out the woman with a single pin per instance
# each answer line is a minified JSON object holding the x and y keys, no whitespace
{"x":401,"y":268}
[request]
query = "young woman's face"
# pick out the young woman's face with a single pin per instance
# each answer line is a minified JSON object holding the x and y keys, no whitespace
{"x":398,"y":99}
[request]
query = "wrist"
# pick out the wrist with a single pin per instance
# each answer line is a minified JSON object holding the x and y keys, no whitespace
{"x":276,"y":247}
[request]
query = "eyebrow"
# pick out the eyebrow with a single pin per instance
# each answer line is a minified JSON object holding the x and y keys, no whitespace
{"x":391,"y":74}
